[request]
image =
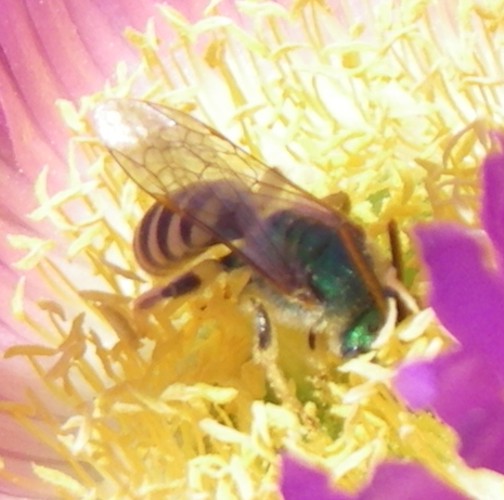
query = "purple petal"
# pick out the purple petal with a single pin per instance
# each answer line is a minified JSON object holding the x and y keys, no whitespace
{"x":418,"y":385}
{"x":465,"y":394}
{"x":467,"y":296}
{"x":390,"y":482}
{"x":492,"y":213}
{"x":465,"y":389}
{"x":300,"y":482}
{"x":406,"y":481}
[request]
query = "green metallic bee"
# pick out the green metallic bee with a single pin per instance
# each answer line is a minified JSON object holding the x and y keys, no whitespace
{"x":303,"y":254}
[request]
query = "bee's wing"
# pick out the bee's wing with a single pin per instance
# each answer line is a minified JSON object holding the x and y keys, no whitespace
{"x":164,"y":150}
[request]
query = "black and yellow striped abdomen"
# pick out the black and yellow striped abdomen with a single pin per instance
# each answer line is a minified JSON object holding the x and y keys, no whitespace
{"x":208,"y":213}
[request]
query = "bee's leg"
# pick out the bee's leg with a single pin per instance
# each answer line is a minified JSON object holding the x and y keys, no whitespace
{"x":397,"y":262}
{"x":395,"y":248}
{"x":179,"y":286}
{"x":315,"y":330}
{"x":312,"y":339}
{"x":266,"y":354}
{"x":262,"y":326}
{"x":203,"y":272}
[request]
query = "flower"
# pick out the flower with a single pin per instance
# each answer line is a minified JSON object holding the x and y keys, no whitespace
{"x":466,"y":388}
{"x":177,"y":400}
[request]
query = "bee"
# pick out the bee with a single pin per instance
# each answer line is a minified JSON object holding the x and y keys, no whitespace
{"x":303,"y":254}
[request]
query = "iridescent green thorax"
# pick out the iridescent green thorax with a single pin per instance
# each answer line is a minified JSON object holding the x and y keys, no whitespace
{"x":325,"y":266}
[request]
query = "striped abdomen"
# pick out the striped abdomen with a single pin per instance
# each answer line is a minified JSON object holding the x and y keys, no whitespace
{"x":207,"y":213}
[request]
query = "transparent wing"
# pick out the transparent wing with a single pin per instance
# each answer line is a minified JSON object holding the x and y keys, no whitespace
{"x":165,"y":150}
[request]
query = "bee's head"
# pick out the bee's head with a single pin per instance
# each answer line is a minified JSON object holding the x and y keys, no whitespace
{"x":358,"y":338}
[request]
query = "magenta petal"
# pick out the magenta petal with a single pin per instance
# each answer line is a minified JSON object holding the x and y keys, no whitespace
{"x":390,"y":482}
{"x":470,"y":399}
{"x":406,"y":481}
{"x":468,"y":298}
{"x":493,"y":200}
{"x":417,"y":384}
{"x":300,"y":482}
{"x":467,"y":395}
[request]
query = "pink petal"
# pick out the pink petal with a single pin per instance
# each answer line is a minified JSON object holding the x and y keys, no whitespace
{"x":50,"y":50}
{"x":53,"y":50}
